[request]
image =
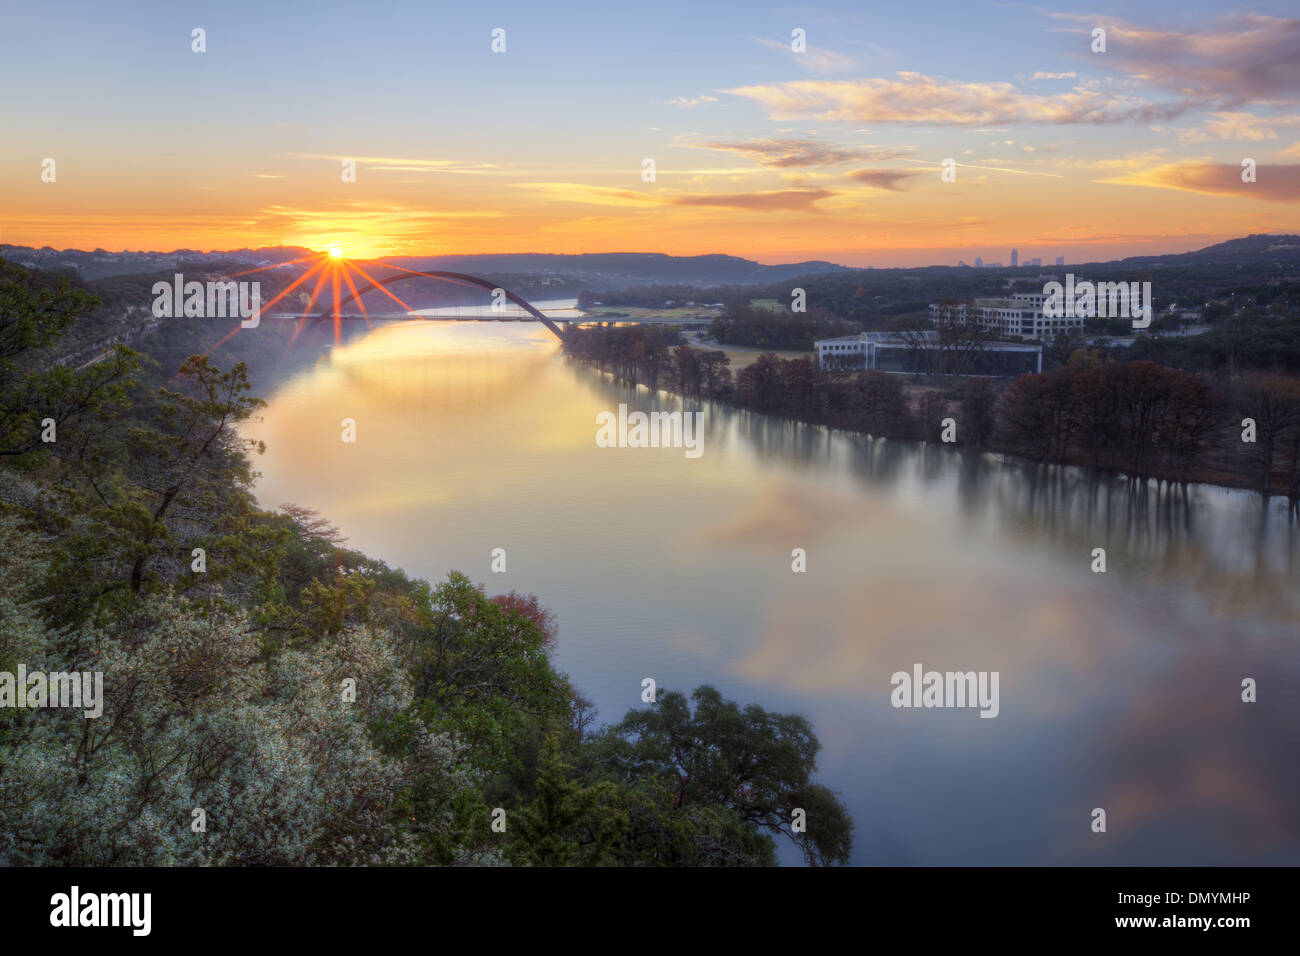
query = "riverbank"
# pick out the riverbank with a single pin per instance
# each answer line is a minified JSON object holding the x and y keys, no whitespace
{"x":1133,"y":419}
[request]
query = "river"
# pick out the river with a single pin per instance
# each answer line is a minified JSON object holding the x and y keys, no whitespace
{"x":1118,"y":690}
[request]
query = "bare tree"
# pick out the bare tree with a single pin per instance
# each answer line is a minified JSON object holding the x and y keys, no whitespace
{"x":950,"y":347}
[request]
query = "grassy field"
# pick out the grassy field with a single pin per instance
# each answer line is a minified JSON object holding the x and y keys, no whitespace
{"x":626,"y":312}
{"x":741,"y":356}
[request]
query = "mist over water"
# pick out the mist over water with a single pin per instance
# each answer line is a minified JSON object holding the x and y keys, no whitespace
{"x":1118,"y":690}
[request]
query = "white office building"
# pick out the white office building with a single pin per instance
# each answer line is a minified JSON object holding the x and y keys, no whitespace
{"x":917,"y":352}
{"x":1020,"y":314}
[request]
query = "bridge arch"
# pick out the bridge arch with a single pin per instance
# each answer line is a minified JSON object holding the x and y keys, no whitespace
{"x":458,"y":277}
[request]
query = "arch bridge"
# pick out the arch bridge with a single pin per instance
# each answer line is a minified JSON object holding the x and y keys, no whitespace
{"x":459,"y":278}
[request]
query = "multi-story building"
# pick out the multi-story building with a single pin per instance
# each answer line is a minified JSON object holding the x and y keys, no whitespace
{"x":1020,"y":314}
{"x":911,"y":353}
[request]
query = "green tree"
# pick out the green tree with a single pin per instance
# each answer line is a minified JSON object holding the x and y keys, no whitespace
{"x":754,"y":763}
{"x":194,"y":454}
{"x":34,"y":389}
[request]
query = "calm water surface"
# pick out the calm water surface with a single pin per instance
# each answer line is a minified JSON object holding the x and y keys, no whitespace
{"x":1118,"y":690}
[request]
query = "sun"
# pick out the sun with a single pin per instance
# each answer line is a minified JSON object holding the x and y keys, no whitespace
{"x":330,"y":267}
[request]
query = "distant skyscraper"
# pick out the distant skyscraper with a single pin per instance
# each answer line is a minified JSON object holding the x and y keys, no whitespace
{"x":1036,"y":261}
{"x":1015,"y":258}
{"x":979,"y":263}
{"x":1060,"y":260}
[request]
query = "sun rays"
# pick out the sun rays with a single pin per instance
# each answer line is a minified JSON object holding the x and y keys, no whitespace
{"x":334,"y":270}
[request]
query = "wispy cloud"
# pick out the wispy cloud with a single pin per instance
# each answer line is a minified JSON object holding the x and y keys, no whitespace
{"x":892,"y":179}
{"x":1237,"y":59}
{"x":592,"y":195}
{"x":787,"y":199}
{"x":918,"y":99}
{"x":996,"y":169}
{"x":798,"y":153}
{"x":815,"y":59}
{"x":1273,"y":183}
{"x":1236,"y":126}
{"x":691,"y":101}
{"x":360,"y":214}
{"x":403,"y":163}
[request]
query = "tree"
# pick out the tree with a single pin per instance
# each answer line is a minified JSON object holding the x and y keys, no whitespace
{"x":687,"y":372}
{"x":950,"y":345}
{"x":530,"y":609}
{"x":760,"y":386}
{"x":565,"y":824}
{"x":878,"y":405}
{"x":1274,"y":403}
{"x":933,"y":407}
{"x":193,"y":455}
{"x":1036,"y":416}
{"x":34,"y":315}
{"x":979,"y":401}
{"x":481,"y":671}
{"x":715,"y":367}
{"x":755,"y":764}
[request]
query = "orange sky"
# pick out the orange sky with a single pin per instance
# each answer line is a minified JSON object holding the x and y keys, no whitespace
{"x":833,"y":153}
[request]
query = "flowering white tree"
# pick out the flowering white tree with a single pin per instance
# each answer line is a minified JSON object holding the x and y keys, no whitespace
{"x":284,"y":766}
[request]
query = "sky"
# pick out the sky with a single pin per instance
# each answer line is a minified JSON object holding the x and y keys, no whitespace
{"x":834,"y":152}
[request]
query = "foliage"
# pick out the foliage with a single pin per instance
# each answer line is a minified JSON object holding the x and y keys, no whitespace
{"x":317,"y":706}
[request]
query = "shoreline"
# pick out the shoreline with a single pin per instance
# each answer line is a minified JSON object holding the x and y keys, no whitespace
{"x":1203,"y":474}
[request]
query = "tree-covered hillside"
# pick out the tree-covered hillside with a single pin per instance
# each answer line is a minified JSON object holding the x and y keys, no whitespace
{"x":271,"y":696}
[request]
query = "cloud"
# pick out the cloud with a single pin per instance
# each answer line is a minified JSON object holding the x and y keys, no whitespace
{"x":883,"y":178}
{"x":1233,"y":61}
{"x":797,"y":153}
{"x":791,"y":199}
{"x":788,"y":199}
{"x":814,"y":58}
{"x":1273,"y":183}
{"x":1237,"y":125}
{"x":996,"y":169}
{"x":376,"y":214}
{"x":1237,"y":59}
{"x":919,"y":99}
{"x":403,"y":163}
{"x":685,"y":102}
{"x":594,"y":195}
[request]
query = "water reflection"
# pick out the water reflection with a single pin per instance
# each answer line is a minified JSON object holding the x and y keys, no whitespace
{"x":1118,"y":689}
{"x":1222,"y":541}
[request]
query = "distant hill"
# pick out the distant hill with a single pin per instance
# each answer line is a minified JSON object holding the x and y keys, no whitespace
{"x":617,"y":269}
{"x":602,"y":270}
{"x":99,"y":263}
{"x":1254,"y":249}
